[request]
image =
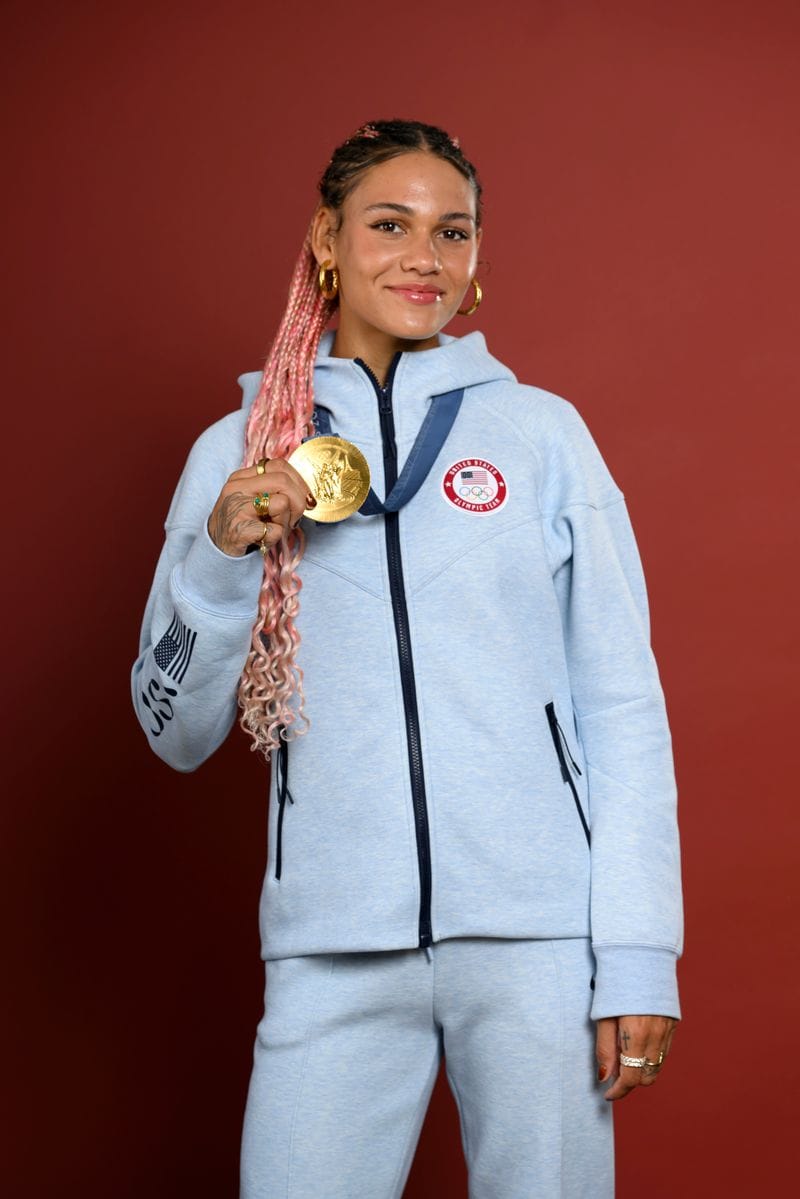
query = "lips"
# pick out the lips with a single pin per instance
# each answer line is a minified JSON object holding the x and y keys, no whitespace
{"x":418,"y":293}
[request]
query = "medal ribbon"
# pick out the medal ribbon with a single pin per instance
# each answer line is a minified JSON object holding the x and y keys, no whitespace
{"x":432,"y":435}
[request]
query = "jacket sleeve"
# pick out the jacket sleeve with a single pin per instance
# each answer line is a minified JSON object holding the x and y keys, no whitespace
{"x":197,"y":625}
{"x":622,"y":726}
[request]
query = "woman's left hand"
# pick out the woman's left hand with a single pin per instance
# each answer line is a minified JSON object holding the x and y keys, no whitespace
{"x":636,"y":1036}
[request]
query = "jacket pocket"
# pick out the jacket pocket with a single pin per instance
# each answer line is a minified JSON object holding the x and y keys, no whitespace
{"x":283,"y":792}
{"x":562,"y":753}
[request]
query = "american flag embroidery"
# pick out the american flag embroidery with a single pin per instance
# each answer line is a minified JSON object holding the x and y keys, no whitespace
{"x":479,"y":477}
{"x":174,"y":651}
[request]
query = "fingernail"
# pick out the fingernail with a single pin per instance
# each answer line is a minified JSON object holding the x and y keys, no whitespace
{"x":311,"y":501}
{"x":602,"y":1073}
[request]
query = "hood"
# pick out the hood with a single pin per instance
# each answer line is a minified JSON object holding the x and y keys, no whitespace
{"x":346,"y":390}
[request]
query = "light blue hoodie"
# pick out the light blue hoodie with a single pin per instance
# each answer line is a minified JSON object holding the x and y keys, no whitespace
{"x":476,"y":707}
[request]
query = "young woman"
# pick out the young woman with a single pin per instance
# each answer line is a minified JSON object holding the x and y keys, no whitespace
{"x":472,"y":843}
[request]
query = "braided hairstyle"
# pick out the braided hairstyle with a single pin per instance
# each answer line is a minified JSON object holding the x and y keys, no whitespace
{"x":271,"y":687}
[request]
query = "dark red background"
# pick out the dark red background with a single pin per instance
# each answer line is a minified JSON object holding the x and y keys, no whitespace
{"x":641,"y":172}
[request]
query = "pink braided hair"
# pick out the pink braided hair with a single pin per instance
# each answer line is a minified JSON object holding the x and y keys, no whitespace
{"x":271,"y":686}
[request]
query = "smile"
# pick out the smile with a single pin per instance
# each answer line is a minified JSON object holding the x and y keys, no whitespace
{"x":418,"y":295}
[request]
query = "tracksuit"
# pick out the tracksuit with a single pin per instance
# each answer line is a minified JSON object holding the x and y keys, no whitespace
{"x":474,"y":849}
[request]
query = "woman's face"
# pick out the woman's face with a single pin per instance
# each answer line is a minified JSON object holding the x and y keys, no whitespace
{"x":406,"y":248}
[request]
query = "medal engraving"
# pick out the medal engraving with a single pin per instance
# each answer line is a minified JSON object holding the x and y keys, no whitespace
{"x":337,"y":475}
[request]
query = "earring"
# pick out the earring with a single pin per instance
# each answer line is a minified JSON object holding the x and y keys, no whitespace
{"x":475,"y":303}
{"x":328,"y":293}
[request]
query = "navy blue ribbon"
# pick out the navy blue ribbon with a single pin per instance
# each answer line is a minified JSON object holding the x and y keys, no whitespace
{"x":432,"y":435}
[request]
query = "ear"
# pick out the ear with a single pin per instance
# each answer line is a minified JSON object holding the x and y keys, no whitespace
{"x":323,"y":235}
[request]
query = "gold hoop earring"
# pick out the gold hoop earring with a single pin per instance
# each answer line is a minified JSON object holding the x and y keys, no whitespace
{"x":328,"y":293}
{"x":476,"y":303}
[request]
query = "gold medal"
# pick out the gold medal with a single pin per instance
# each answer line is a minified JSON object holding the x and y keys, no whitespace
{"x":337,"y":475}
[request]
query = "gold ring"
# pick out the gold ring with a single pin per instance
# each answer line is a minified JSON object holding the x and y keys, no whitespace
{"x":261,"y":503}
{"x":261,"y":466}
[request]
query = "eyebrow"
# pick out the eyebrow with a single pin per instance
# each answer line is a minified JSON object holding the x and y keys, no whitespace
{"x":404,"y":210}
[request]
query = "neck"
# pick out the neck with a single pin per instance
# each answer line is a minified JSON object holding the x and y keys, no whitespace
{"x":376,"y":348}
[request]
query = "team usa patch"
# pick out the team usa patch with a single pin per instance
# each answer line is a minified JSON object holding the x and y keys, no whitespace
{"x":475,"y":485}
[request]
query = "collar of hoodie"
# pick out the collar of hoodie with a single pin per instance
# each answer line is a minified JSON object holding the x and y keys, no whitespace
{"x":347,"y":391}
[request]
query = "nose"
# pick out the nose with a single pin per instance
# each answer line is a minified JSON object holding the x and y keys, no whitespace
{"x":420,"y":253}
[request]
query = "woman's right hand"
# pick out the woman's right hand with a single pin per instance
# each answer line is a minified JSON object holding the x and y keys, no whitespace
{"x":234,"y":523}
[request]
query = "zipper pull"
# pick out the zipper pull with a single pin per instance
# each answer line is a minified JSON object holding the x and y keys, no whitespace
{"x":566,"y":747}
{"x":552,"y":720}
{"x":385,"y":403}
{"x":283,"y":774}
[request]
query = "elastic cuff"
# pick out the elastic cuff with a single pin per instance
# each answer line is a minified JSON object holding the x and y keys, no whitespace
{"x":635,"y":980}
{"x":218,"y":582}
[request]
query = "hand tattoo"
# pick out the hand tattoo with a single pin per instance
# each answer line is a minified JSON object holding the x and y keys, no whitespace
{"x":235,"y":511}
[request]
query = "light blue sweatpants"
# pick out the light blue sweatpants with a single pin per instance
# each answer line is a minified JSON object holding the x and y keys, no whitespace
{"x":348,"y":1051}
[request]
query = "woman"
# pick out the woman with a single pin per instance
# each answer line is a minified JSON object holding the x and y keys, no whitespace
{"x":472,"y":845}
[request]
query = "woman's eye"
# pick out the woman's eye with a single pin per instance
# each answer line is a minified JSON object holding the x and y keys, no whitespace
{"x":453,"y":235}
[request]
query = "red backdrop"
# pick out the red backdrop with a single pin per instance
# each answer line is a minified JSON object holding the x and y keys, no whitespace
{"x":641,"y":179}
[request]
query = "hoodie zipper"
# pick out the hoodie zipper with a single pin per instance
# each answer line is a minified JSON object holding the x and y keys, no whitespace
{"x":406,"y":661}
{"x":560,"y":743}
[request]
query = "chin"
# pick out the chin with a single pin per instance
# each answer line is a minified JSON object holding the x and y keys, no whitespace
{"x":417,"y":330}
